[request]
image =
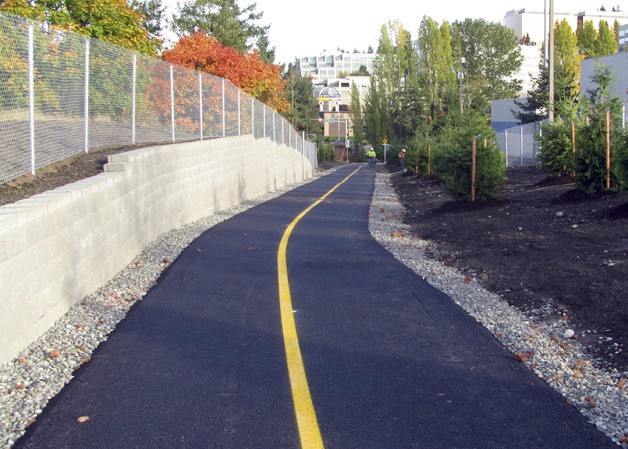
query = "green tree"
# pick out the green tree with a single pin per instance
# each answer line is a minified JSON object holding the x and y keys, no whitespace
{"x":566,"y":80}
{"x":492,"y":56}
{"x":586,"y":36}
{"x":355,"y":112}
{"x":606,"y":42}
{"x":224,"y":20}
{"x":453,"y":157}
{"x":375,"y":117}
{"x":434,"y":64}
{"x":590,"y":161}
{"x":265,"y":51}
{"x":152,"y":12}
{"x":303,"y":112}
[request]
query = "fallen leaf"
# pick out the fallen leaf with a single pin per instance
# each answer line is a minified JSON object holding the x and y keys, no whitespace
{"x":522,"y":356}
{"x":85,"y":359}
{"x":467,"y":280}
{"x":621,"y":384}
{"x":31,"y":422}
{"x":82,"y":348}
{"x":166,"y":260}
{"x":22,"y":361}
{"x":577,"y":374}
{"x":589,"y":400}
{"x":558,"y":376}
{"x":20,"y":387}
{"x":398,"y":234}
{"x":54,"y":353}
{"x":82,"y":419}
{"x":623,"y":440}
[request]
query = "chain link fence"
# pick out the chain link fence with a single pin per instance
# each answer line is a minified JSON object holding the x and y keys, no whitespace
{"x":63,"y":94}
{"x":520,"y":144}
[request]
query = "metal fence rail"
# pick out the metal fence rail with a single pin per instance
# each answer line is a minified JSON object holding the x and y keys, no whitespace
{"x":63,"y":94}
{"x":520,"y":144}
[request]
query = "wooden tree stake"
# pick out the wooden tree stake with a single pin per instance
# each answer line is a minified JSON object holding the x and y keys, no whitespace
{"x":473,"y":154}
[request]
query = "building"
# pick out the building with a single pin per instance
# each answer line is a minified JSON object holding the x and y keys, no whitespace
{"x":623,"y":38}
{"x":333,"y":65}
{"x":618,"y":65}
{"x":529,"y":26}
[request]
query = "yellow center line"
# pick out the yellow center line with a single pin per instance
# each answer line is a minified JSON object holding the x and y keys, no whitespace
{"x":309,"y":433}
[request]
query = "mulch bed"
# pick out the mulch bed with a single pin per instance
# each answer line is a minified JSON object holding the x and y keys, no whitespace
{"x":546,"y":248}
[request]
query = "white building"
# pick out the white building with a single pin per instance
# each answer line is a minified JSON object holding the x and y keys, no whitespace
{"x":623,"y":38}
{"x":530,"y":28}
{"x":332,"y":65}
{"x":618,"y":66}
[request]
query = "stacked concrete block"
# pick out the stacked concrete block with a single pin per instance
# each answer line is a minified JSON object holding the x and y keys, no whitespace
{"x":59,"y":246}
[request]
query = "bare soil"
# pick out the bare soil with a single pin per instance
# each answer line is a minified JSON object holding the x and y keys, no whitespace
{"x":549,"y":250}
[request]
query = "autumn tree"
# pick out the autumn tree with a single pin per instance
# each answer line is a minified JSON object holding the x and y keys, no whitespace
{"x":247,"y":71}
{"x":114,"y":21}
{"x":224,"y":21}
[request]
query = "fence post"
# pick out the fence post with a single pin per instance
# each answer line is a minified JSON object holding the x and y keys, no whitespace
{"x":506,"y":145}
{"x":133,"y":98}
{"x":172,"y":101}
{"x":86,"y":93}
{"x":521,"y":146}
{"x":200,"y":103}
{"x":253,"y":116}
{"x":239,"y":115}
{"x":31,"y":94}
{"x":224,"y":120}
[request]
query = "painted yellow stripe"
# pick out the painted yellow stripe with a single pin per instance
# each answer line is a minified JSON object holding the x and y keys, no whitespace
{"x":309,"y":433}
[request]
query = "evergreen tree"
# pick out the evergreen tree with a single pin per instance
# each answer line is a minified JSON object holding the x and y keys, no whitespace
{"x":303,"y":112}
{"x":224,"y":20}
{"x":566,"y":80}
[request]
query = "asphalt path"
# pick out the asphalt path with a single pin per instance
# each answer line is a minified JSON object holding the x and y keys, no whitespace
{"x":390,"y":361}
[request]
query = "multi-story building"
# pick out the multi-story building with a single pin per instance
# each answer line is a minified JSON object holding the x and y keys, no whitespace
{"x":623,"y":38}
{"x":333,"y":65}
{"x":530,"y":27}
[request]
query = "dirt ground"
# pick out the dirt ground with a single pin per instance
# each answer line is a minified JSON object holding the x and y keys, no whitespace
{"x":547,"y":249}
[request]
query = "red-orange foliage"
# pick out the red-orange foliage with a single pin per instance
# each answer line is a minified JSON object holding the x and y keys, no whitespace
{"x":247,"y":71}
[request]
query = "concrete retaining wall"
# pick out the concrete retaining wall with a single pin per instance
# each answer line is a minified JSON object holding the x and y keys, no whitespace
{"x":61,"y":245}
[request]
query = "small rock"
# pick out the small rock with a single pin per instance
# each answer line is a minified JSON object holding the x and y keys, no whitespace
{"x":559,"y":214}
{"x":568,"y":333}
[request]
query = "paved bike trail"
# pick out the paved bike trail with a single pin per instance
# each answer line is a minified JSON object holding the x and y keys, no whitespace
{"x":391,"y":362}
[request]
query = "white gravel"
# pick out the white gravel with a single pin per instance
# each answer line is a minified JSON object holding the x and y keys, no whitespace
{"x":42,"y":369}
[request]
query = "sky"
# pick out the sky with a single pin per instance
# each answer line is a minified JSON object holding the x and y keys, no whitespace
{"x":306,"y":28}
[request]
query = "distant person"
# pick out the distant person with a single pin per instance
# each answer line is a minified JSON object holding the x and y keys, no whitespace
{"x":401,"y":156}
{"x":372,"y":157}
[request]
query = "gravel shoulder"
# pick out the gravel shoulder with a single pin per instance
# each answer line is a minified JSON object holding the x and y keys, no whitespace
{"x":42,"y":369}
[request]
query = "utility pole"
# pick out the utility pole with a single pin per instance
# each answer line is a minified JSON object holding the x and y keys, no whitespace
{"x":551,"y":62}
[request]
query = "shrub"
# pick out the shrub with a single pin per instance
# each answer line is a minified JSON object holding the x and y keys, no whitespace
{"x":452,"y":158}
{"x":556,"y":154}
{"x":591,"y":146}
{"x":590,"y":160}
{"x":453,"y":165}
